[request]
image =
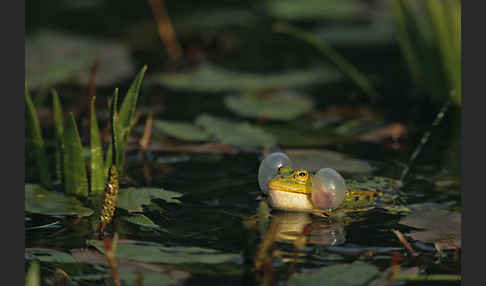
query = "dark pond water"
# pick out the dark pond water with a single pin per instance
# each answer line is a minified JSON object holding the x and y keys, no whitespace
{"x":221,"y":197}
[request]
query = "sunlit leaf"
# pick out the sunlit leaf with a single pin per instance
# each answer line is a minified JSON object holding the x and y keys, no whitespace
{"x":132,"y":199}
{"x":357,"y":273}
{"x":315,"y":9}
{"x":283,"y":106}
{"x":76,"y":180}
{"x":53,"y":57}
{"x":235,"y":133}
{"x":171,"y":255}
{"x":210,"y":78}
{"x":59,"y":128}
{"x":37,"y":142}
{"x":33,"y":277}
{"x":182,"y":130}
{"x":96,"y":156}
{"x":315,"y":160}
{"x":38,"y":200}
{"x":48,"y":255}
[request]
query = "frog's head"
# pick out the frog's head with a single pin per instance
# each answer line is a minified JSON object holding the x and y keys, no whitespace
{"x":289,"y":180}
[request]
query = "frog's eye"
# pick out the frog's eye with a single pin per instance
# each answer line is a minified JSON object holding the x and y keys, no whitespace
{"x":328,"y":189}
{"x":271,"y":166}
{"x":301,"y":175}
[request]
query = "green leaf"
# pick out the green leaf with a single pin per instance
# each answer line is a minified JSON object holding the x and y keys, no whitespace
{"x":170,"y":255}
{"x":315,"y":9}
{"x":149,"y":278}
{"x":125,"y":118}
{"x":141,"y":220}
{"x":59,"y":130}
{"x":238,"y":134}
{"x":357,"y":273}
{"x":39,"y":200}
{"x":96,"y":156}
{"x":76,"y":180}
{"x":48,"y":255}
{"x":37,"y":142}
{"x":108,"y":162}
{"x":115,"y":131}
{"x":181,"y":130}
{"x":211,"y":78}
{"x":33,"y":277}
{"x":132,"y":199}
{"x":314,"y":160}
{"x":283,"y":106}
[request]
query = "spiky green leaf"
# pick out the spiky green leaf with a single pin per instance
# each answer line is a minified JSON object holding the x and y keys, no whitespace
{"x":76,"y":181}
{"x":96,"y":158}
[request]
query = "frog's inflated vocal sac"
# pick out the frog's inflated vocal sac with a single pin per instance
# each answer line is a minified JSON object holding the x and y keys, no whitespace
{"x":325,"y":191}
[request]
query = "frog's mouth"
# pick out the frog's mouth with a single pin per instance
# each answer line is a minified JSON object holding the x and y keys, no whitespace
{"x":278,"y":185}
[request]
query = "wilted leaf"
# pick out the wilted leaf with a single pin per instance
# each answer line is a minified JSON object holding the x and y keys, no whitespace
{"x":53,"y":57}
{"x":96,"y":156}
{"x":181,"y":130}
{"x":76,"y":180}
{"x":132,"y":199}
{"x":315,"y":9}
{"x":438,"y":226}
{"x":238,"y":134}
{"x":357,"y":273}
{"x":314,"y":160}
{"x":41,"y":201}
{"x":37,"y":142}
{"x":48,"y":255}
{"x":283,"y":106}
{"x":33,"y":277}
{"x":210,"y":78}
{"x":170,"y":255}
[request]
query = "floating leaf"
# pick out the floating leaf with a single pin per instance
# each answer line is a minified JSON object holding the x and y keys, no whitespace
{"x":96,"y":156}
{"x":132,"y":199}
{"x":37,"y":142}
{"x":141,"y":220}
{"x":33,"y":277}
{"x":357,"y":273}
{"x":315,"y":9}
{"x":213,"y":19}
{"x":59,"y":128}
{"x":48,"y":255}
{"x":76,"y":180}
{"x":53,"y":57}
{"x":296,"y":136}
{"x":210,"y":78}
{"x":374,"y":34}
{"x":182,"y":130}
{"x":283,"y":106}
{"x":171,"y":255}
{"x":38,"y":200}
{"x":315,"y":160}
{"x":440,"y":227}
{"x":239,"y":134}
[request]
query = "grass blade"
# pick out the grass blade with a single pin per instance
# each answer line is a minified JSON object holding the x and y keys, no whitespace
{"x":76,"y":180}
{"x":33,"y":277}
{"x":125,"y":117}
{"x":37,"y":142}
{"x":108,"y":162}
{"x":115,"y":130}
{"x":59,"y":129}
{"x":96,"y":156}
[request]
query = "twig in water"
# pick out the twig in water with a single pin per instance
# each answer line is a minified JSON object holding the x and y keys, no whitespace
{"x":110,"y":257}
{"x":144,"y":142}
{"x":166,"y":31}
{"x":425,"y":139}
{"x":404,"y":241}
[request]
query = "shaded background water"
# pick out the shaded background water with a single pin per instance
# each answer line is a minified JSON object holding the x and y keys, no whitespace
{"x":220,"y":191}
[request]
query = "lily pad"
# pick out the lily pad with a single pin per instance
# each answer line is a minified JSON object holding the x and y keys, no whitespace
{"x":233,"y":133}
{"x":357,"y":273}
{"x":440,"y":227}
{"x":182,"y":130}
{"x":315,"y":9}
{"x":315,"y":160}
{"x":210,"y":78}
{"x":38,"y":200}
{"x":153,"y":253}
{"x":53,"y":57}
{"x":132,"y":199}
{"x":48,"y":255}
{"x":283,"y":106}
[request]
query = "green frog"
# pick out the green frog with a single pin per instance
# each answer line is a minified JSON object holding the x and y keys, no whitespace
{"x":324,"y":192}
